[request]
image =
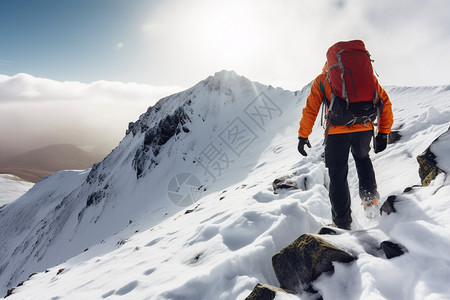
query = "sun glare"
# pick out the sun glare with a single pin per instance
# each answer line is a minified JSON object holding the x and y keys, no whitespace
{"x":232,"y":33}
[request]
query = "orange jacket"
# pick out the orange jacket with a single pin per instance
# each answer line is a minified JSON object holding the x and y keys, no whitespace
{"x":314,"y":101}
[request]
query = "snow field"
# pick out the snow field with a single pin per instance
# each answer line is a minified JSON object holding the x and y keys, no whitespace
{"x":223,"y":248}
{"x":11,"y":188}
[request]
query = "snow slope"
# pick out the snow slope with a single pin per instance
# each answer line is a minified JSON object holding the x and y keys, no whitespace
{"x":11,"y":188}
{"x":130,"y":229}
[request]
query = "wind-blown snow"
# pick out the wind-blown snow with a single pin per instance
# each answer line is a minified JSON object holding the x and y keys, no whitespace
{"x":133,"y":241}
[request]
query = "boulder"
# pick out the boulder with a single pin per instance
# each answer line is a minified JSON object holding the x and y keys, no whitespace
{"x":265,"y":292}
{"x":331,"y":230}
{"x":392,"y":249}
{"x":327,"y":230}
{"x":388,"y":206}
{"x":429,"y":168}
{"x":305,"y":260}
{"x":283,"y":183}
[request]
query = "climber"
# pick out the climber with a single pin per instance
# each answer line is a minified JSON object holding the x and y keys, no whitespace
{"x":347,"y":125}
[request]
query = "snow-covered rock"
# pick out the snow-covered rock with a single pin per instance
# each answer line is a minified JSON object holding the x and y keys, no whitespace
{"x":266,"y":292}
{"x":435,"y":159}
{"x":305,"y":259}
{"x":68,"y":212}
{"x":120,"y":228}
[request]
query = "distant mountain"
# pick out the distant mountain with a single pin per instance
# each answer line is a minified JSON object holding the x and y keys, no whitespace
{"x":71,"y":211}
{"x":6,"y":150}
{"x":35,"y":164}
{"x":184,"y":206}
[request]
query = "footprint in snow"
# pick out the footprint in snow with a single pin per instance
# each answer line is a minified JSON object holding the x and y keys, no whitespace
{"x":149,"y":271}
{"x":127,"y":288}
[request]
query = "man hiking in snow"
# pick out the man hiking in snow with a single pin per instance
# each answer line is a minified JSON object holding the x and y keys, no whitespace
{"x":354,"y":101}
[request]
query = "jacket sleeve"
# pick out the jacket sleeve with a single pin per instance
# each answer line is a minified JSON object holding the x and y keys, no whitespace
{"x":311,"y":110}
{"x":387,"y":116}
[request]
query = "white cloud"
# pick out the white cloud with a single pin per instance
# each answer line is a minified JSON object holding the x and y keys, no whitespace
{"x":37,"y":112}
{"x":284,"y":42}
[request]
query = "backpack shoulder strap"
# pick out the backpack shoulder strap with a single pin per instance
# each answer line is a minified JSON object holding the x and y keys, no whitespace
{"x":324,"y":96}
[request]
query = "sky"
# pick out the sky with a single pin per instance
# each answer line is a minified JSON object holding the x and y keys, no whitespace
{"x":177,"y":43}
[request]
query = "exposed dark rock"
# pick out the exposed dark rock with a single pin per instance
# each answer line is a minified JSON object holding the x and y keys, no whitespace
{"x":394,"y":137}
{"x":305,"y":260}
{"x":95,"y":198}
{"x":428,"y":169}
{"x":197,"y":258}
{"x":392,"y":249}
{"x":411,"y":188}
{"x":331,"y":230}
{"x":408,"y":189}
{"x":139,"y":160}
{"x":131,"y":127}
{"x":10,"y":292}
{"x":191,"y":210}
{"x":388,"y":205}
{"x":265,"y":292}
{"x":167,"y":127}
{"x":141,"y":124}
{"x":158,"y":136}
{"x":283,"y":183}
{"x":122,"y":241}
{"x":93,"y":173}
{"x":327,"y":230}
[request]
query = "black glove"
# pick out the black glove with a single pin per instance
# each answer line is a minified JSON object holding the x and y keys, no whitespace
{"x":301,"y":145}
{"x":380,"y":142}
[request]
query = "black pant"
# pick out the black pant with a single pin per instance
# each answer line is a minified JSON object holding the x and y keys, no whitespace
{"x":336,"y":159}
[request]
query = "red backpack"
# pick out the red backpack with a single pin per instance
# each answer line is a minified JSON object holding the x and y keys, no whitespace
{"x":350,"y":71}
{"x":354,"y":98}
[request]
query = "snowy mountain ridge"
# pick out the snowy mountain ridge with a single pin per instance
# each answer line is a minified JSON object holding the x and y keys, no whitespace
{"x":12,"y":188}
{"x":183,"y":208}
{"x":69,"y":204}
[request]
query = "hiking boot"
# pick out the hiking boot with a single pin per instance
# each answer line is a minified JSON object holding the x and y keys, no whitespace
{"x":369,"y":203}
{"x":371,"y":207}
{"x":341,"y":226}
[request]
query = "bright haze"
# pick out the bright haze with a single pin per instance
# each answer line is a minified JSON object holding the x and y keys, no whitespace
{"x":78,"y":71}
